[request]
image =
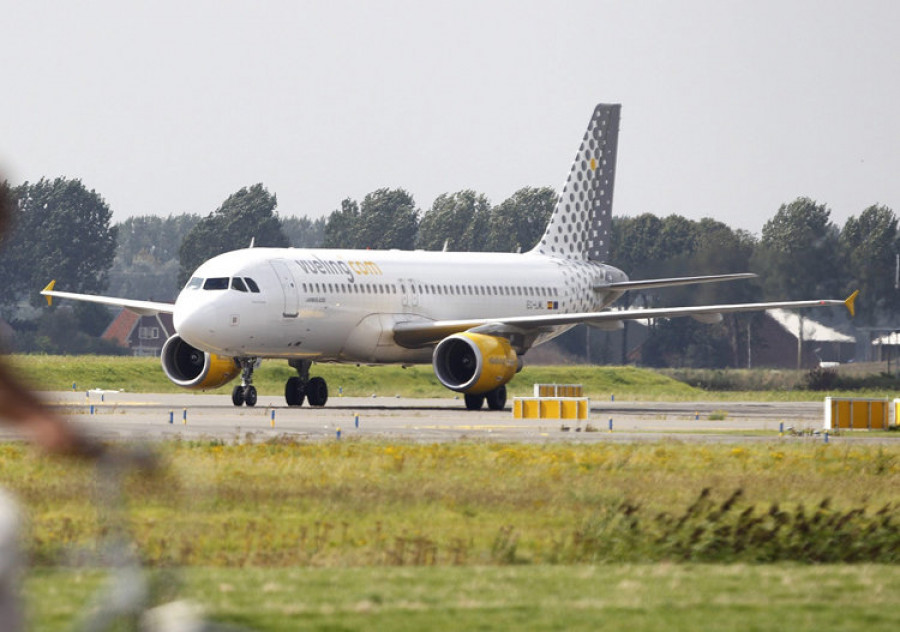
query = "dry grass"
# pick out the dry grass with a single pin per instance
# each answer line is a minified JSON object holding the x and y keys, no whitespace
{"x":376,"y":503}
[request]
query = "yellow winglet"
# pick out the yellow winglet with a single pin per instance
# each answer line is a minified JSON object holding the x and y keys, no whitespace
{"x":849,"y":303}
{"x":49,"y":288}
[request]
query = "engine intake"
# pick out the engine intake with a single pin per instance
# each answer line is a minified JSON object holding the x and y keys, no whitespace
{"x":474,"y":363}
{"x":192,"y":368}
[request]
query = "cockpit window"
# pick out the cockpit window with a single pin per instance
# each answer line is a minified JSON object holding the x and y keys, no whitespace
{"x":252,"y":285}
{"x":216,"y":283}
{"x":194,"y":284}
{"x":238,"y":284}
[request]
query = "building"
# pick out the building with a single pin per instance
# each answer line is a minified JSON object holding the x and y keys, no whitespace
{"x":774,"y":342}
{"x":144,"y":335}
{"x":886,"y":348}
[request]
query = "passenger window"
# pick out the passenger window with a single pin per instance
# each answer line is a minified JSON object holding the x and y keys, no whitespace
{"x":238,"y":284}
{"x":217,"y":283}
{"x":252,"y":285}
{"x":195,"y":283}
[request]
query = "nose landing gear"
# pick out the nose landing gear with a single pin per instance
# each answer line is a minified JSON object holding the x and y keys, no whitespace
{"x":245,"y":392}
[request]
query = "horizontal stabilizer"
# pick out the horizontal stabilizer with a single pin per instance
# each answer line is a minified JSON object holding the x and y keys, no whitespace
{"x":651,"y":283}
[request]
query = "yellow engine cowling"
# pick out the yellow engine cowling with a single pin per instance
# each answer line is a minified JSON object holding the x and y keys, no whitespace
{"x":192,"y":368}
{"x":474,"y":363}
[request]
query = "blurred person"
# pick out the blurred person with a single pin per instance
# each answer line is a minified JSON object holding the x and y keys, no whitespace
{"x":24,"y":411}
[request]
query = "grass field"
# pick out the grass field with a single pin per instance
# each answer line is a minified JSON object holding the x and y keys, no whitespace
{"x":377,"y":535}
{"x":49,"y":373}
{"x":361,"y":535}
{"x":634,"y":597}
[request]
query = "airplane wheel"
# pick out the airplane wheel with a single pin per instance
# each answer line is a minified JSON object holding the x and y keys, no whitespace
{"x":317,"y":392}
{"x":474,"y":402}
{"x":250,"y":395}
{"x":293,"y":392}
{"x":237,"y":395}
{"x":496,"y":399}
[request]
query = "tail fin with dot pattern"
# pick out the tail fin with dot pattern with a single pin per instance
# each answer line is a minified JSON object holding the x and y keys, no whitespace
{"x":580,"y":225}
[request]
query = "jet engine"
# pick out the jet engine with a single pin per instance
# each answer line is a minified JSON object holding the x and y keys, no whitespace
{"x":474,"y":363}
{"x":192,"y":368}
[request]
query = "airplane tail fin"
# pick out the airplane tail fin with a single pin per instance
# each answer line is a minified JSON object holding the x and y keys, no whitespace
{"x":580,"y":225}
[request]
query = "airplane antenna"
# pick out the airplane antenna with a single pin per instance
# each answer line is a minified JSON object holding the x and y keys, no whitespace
{"x":446,"y":244}
{"x":252,"y":242}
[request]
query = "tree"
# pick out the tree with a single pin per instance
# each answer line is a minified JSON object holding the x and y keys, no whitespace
{"x":518,"y":223}
{"x":62,"y":232}
{"x":459,"y":219}
{"x":634,"y":244}
{"x":646,"y":246}
{"x":152,"y":238}
{"x":387,"y":218}
{"x":146,"y":261}
{"x":248,"y":214}
{"x":869,"y":244}
{"x":799,"y":256}
{"x":683,"y":342}
{"x":303,"y":232}
{"x":340,"y":228}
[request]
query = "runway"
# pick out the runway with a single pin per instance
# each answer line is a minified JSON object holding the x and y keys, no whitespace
{"x":149,"y":416}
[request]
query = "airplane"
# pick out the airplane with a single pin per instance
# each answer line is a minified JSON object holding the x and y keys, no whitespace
{"x":471,"y":315}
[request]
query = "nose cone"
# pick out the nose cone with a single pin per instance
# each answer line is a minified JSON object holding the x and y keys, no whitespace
{"x":196,"y":321}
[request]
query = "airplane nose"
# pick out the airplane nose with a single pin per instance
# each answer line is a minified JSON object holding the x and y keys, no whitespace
{"x":196,"y":325}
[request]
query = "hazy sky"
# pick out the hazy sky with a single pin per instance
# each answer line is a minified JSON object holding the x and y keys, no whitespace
{"x":728,"y":108}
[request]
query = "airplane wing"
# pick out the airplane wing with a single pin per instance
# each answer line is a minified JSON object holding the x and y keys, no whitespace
{"x":414,"y":334}
{"x":143,"y":308}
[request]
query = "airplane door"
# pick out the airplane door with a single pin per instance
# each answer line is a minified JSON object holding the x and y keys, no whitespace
{"x":410,"y":293}
{"x":288,"y":287}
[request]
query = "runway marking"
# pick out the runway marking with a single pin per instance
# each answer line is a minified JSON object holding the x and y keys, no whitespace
{"x":485,"y":427}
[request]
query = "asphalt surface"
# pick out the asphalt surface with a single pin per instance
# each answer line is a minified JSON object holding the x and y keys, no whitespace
{"x":149,"y":416}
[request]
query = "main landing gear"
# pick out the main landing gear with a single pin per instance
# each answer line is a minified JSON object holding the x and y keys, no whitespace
{"x":496,"y":399}
{"x":314,"y":390}
{"x":245,"y":392}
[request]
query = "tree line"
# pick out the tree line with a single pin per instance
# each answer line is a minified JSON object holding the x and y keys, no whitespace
{"x":63,"y":231}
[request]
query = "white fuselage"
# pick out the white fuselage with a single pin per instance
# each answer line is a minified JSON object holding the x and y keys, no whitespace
{"x":341,"y":305}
